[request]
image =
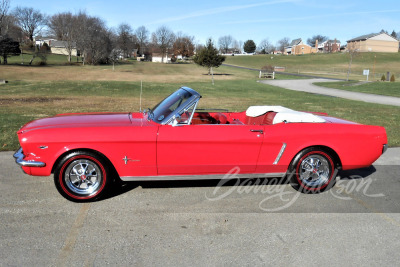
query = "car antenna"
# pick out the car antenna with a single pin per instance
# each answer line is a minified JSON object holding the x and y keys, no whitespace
{"x":141,"y":90}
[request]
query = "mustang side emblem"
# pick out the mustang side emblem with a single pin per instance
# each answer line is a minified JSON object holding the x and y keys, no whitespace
{"x":126,"y":159}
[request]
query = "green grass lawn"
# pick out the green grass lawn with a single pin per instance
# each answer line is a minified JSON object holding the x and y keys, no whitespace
{"x":22,"y":101}
{"x":379,"y":88}
{"x":326,"y":65}
{"x":51,"y":59}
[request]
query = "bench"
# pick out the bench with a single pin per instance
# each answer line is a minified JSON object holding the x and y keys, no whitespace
{"x":266,"y":74}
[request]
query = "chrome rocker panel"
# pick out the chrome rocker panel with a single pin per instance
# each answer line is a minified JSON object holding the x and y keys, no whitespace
{"x":201,"y":177}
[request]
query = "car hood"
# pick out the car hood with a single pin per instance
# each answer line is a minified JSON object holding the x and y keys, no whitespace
{"x":83,"y":119}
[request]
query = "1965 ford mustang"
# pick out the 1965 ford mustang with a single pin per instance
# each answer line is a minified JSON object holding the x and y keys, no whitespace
{"x":175,"y":140}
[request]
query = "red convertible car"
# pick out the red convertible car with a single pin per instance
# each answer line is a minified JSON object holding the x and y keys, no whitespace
{"x":175,"y":140}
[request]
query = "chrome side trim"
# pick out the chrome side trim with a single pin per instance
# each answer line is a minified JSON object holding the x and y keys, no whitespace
{"x":201,"y":177}
{"x":19,"y":159}
{"x":280,"y":154}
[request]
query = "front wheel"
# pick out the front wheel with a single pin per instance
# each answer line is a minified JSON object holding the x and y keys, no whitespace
{"x":82,"y":176}
{"x":313,"y":170}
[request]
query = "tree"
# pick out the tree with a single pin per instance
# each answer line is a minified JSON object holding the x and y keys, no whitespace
{"x":183,"y":45}
{"x":225,"y":42}
{"x":236,"y":46}
{"x":209,"y":57}
{"x":249,"y":46}
{"x":125,"y":39}
{"x":4,"y":7}
{"x":319,"y":37}
{"x":266,"y":47}
{"x":63,"y":27}
{"x":94,"y":40}
{"x":353,"y":51}
{"x":394,"y":34}
{"x":8,"y":47}
{"x":282,"y":43}
{"x":163,"y":38}
{"x":30,"y":20}
{"x":142,"y":35}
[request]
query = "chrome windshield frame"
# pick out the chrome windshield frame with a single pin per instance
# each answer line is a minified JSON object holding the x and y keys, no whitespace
{"x":192,"y":100}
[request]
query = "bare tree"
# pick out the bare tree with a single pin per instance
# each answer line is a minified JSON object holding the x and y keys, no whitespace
{"x":183,"y":45}
{"x":94,"y":40}
{"x":62,"y":25}
{"x":225,"y":42}
{"x":4,"y":7}
{"x":163,"y":38}
{"x":30,"y":20}
{"x":125,"y":39}
{"x":319,"y":37}
{"x":266,"y":47}
{"x":353,"y":51}
{"x":237,"y":46}
{"x":282,"y":43}
{"x":142,"y":36}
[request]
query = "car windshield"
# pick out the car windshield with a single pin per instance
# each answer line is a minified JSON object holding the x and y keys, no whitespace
{"x":163,"y":109}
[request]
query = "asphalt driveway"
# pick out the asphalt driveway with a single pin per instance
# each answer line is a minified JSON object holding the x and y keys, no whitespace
{"x":306,"y":85}
{"x":204,"y":223}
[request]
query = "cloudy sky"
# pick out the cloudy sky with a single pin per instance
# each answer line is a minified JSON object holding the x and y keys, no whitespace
{"x":251,"y":19}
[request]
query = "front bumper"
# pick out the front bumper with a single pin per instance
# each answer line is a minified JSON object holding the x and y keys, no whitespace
{"x":19,"y":159}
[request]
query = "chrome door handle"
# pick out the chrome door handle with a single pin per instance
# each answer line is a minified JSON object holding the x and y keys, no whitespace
{"x":257,"y":131}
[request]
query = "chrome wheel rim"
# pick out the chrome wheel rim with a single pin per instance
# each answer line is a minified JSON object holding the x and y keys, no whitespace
{"x":83,"y":177}
{"x":314,"y":171}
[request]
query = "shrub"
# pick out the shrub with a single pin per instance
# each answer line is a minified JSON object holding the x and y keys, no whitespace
{"x":392,"y":78}
{"x":173,"y":59}
{"x":383,"y":78}
{"x":44,"y":48}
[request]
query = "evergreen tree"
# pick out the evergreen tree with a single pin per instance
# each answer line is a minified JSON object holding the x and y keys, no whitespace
{"x":394,"y":34}
{"x":249,"y":46}
{"x":8,"y":48}
{"x":208,"y":57}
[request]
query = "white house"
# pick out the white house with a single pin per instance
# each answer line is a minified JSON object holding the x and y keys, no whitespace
{"x":157,"y":57}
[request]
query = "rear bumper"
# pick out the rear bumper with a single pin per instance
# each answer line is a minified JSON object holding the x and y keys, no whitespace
{"x":19,"y":159}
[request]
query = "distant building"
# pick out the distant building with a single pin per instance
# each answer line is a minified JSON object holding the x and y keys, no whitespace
{"x":329,"y":46}
{"x":158,"y":57}
{"x":60,"y":48}
{"x":375,"y":42}
{"x":57,"y":47}
{"x":297,"y":47}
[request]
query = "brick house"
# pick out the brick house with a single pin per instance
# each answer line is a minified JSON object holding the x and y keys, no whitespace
{"x":297,"y":47}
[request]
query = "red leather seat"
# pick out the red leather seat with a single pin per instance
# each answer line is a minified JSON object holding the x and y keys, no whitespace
{"x":266,"y":119}
{"x":221,"y":118}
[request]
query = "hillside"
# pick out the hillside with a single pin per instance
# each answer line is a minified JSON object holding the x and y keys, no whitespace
{"x":331,"y":65}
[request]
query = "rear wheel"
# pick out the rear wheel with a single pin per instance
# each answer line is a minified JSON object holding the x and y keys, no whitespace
{"x":82,"y":176}
{"x":313,"y":170}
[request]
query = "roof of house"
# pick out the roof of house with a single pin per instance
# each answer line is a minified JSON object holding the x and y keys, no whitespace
{"x":368,"y":36}
{"x":62,"y":44}
{"x":295,"y":42}
{"x":333,"y":41}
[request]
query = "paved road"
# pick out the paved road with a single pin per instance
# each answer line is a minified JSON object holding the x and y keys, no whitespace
{"x":307,"y":85}
{"x":201,"y":224}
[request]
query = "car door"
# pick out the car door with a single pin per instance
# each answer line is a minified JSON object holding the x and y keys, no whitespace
{"x":208,"y":149}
